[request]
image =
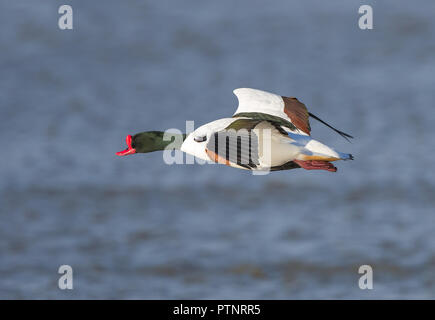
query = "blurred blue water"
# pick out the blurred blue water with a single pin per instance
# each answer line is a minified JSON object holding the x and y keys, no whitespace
{"x":136,"y":228}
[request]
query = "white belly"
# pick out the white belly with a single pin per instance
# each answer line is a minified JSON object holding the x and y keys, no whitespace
{"x":274,"y":148}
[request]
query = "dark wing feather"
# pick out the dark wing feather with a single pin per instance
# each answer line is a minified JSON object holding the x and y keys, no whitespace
{"x":235,"y":145}
{"x":298,"y":113}
{"x":341,"y":133}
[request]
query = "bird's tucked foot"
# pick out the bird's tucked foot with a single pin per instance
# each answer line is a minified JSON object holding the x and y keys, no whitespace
{"x":316,"y":165}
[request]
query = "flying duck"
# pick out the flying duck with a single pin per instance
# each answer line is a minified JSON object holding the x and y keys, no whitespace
{"x":267,"y":132}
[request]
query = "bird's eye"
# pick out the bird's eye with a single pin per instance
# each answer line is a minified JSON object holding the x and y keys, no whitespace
{"x":200,"y":138}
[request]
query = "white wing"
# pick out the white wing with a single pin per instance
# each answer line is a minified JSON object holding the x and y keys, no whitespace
{"x":253,"y":100}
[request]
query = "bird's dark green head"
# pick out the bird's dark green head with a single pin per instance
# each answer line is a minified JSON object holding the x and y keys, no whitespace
{"x":150,"y":141}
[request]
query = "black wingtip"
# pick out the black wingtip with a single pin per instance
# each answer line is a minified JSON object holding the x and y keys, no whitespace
{"x":344,"y":135}
{"x":341,"y":133}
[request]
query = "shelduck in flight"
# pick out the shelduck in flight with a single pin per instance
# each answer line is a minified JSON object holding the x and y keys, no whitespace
{"x":267,"y":132}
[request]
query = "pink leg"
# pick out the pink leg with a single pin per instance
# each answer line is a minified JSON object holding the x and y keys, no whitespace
{"x":316,"y":165}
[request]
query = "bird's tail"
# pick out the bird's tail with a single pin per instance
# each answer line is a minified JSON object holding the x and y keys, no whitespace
{"x":315,"y":150}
